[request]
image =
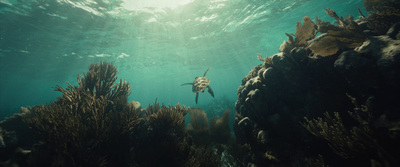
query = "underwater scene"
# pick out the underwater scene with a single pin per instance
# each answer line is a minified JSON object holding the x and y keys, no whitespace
{"x":199,"y":83}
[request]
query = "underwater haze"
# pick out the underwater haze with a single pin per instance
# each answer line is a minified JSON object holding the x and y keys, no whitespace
{"x":155,"y":45}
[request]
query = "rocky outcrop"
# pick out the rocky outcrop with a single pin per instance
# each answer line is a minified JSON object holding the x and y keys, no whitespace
{"x":275,"y":97}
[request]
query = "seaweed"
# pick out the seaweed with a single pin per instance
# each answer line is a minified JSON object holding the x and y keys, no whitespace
{"x":87,"y":120}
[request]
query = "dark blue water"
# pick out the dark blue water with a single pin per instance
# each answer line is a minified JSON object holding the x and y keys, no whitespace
{"x":156,"y":45}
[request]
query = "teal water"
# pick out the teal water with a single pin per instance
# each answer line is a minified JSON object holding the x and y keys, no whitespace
{"x":155,"y":45}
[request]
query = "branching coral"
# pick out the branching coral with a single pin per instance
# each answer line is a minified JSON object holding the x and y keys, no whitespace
{"x":161,"y":138}
{"x":303,"y":33}
{"x":346,"y":35}
{"x":198,"y":127}
{"x":202,"y":157}
{"x":386,"y":13}
{"x":357,"y":142}
{"x":217,"y":131}
{"x":198,"y":119}
{"x":343,"y":141}
{"x":167,"y":118}
{"x":219,"y":128}
{"x":83,"y":121}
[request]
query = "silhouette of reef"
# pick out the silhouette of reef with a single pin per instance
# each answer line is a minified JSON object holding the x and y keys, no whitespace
{"x":93,"y":124}
{"x":301,"y":107}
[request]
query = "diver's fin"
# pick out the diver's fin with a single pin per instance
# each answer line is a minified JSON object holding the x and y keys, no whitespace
{"x":210,"y":91}
{"x":187,"y":84}
{"x":197,"y":97}
{"x":206,"y":71}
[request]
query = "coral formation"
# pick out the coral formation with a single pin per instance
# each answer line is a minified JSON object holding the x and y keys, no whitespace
{"x":162,"y":140}
{"x":303,"y":33}
{"x":93,"y":124}
{"x":313,"y":77}
{"x":204,"y":132}
{"x":346,"y":35}
{"x":160,"y":137}
{"x":88,"y":122}
{"x":299,"y":108}
{"x":219,"y":128}
{"x":364,"y":141}
{"x":385,"y":14}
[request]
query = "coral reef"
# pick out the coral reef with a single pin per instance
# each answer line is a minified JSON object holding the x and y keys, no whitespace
{"x":89,"y":124}
{"x":217,"y":106}
{"x":162,"y":140}
{"x":93,"y":124}
{"x":312,"y":76}
{"x":204,"y":132}
{"x":299,"y":108}
{"x":364,"y":141}
{"x":16,"y":140}
{"x":385,"y":14}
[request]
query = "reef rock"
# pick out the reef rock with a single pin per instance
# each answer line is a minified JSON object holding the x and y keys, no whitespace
{"x":275,"y":97}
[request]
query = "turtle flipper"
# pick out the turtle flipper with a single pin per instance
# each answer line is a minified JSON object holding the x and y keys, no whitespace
{"x":187,"y":84}
{"x":210,"y":91}
{"x":206,"y":71}
{"x":197,"y":97}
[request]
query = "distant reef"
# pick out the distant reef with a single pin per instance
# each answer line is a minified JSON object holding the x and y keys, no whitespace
{"x":330,"y":97}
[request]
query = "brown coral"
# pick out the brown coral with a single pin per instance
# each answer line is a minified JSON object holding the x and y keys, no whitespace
{"x":347,"y":35}
{"x":385,"y":14}
{"x":83,"y":121}
{"x":167,"y":118}
{"x":359,"y":141}
{"x":343,"y":141}
{"x":219,"y":128}
{"x":198,"y":127}
{"x":303,"y":33}
{"x":216,"y":131}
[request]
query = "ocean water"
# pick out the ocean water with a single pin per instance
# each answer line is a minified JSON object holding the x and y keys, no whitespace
{"x":156,"y":45}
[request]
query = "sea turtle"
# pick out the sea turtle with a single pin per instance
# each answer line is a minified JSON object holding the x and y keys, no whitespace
{"x":200,"y":84}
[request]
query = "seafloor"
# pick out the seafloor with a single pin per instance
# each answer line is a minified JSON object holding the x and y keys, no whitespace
{"x":329,"y":98}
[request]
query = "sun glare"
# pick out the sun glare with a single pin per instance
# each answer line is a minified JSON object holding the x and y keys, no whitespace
{"x":139,"y":4}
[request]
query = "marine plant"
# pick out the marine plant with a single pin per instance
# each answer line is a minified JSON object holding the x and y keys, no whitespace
{"x":303,"y":33}
{"x":198,"y":127}
{"x":384,"y":14}
{"x":347,"y":34}
{"x":203,"y":157}
{"x":204,"y":132}
{"x":166,"y":119}
{"x":361,"y":141}
{"x":89,"y":124}
{"x":161,"y":138}
{"x":219,"y":128}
